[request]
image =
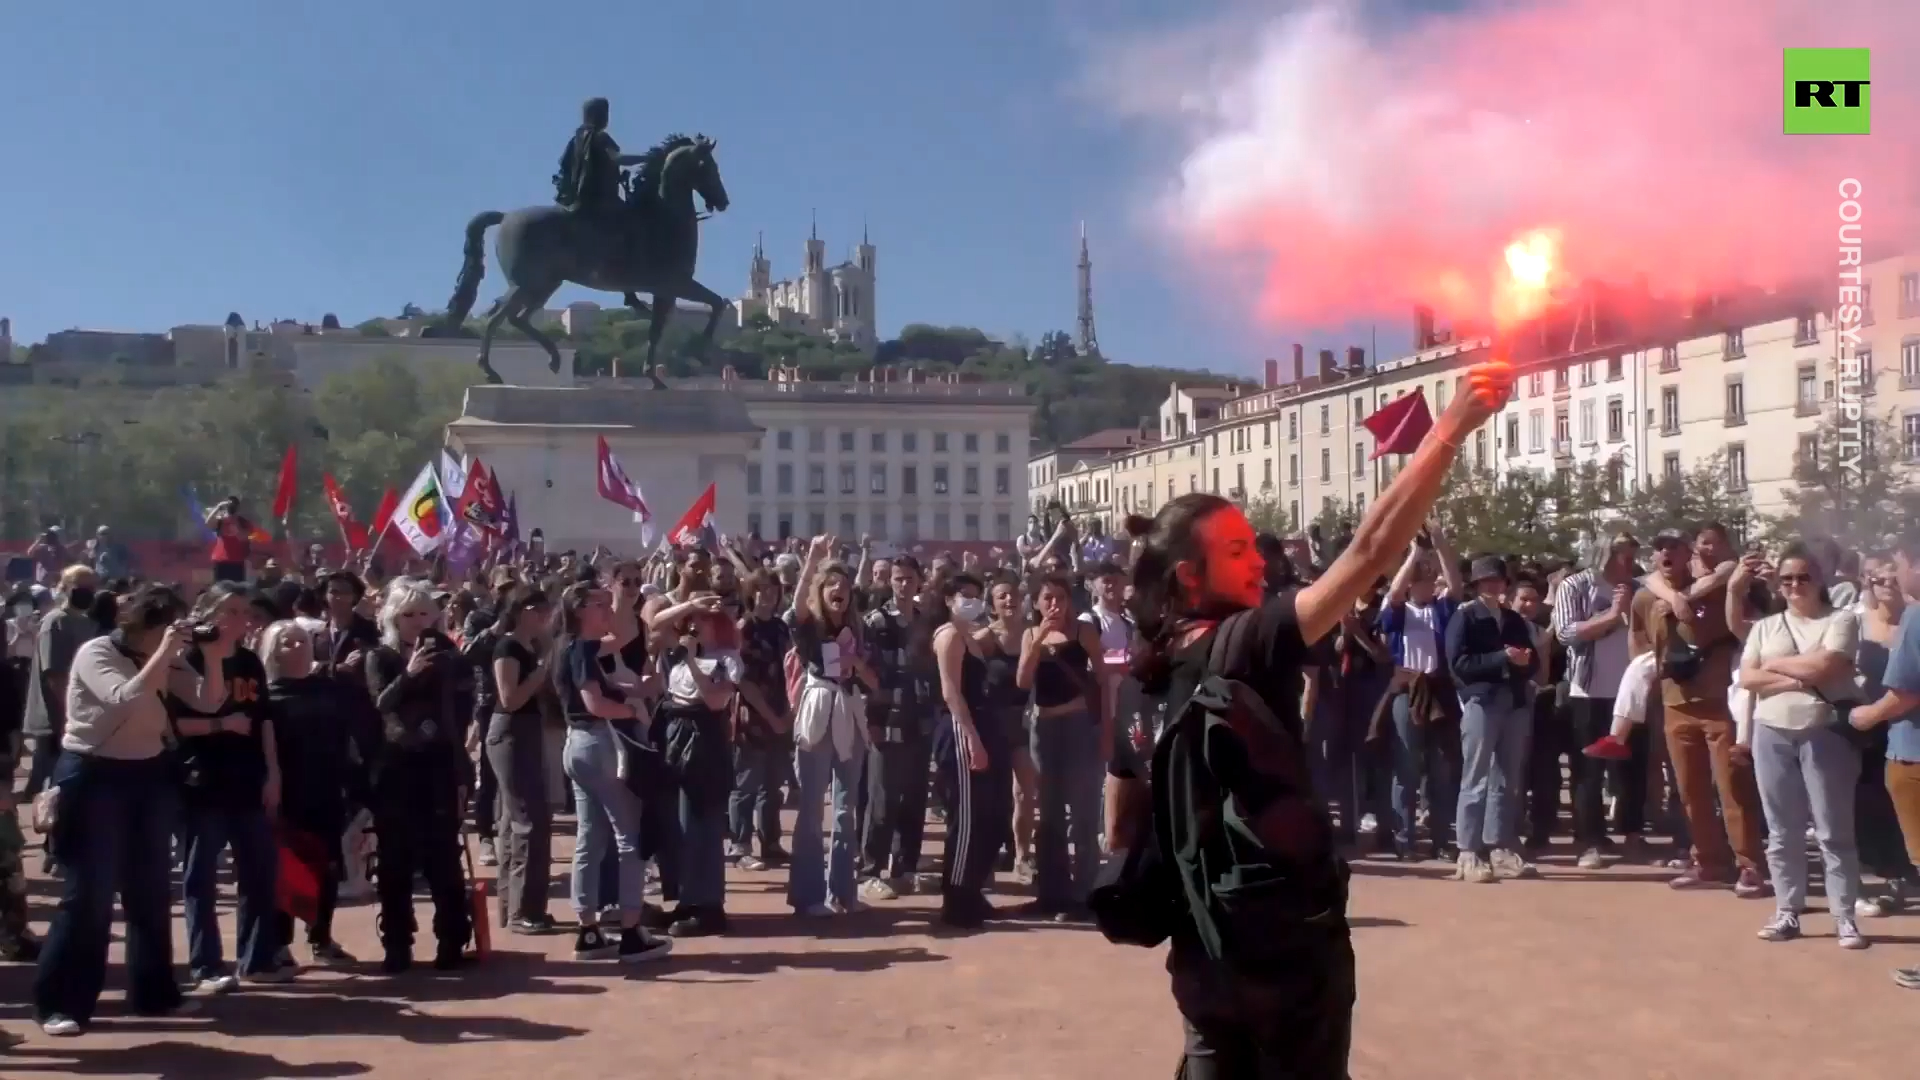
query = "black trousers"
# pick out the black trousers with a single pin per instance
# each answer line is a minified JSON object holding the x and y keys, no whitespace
{"x":897,"y":781}
{"x":416,"y":821}
{"x":320,"y":930}
{"x":979,"y":806}
{"x":1552,"y":741}
{"x":516,"y":756}
{"x":1293,"y":1027}
{"x":1882,"y":849}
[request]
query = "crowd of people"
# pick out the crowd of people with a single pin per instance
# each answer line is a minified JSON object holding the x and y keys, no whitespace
{"x":1740,"y":702}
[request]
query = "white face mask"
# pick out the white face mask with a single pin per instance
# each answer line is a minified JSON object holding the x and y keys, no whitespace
{"x":970,"y":609}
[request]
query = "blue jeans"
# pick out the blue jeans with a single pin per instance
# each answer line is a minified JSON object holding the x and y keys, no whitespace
{"x":1808,"y":774}
{"x":608,"y":816}
{"x":759,"y":772}
{"x":256,"y":866}
{"x":703,"y":855}
{"x":1424,"y":757}
{"x":817,"y":869}
{"x":114,"y":836}
{"x":1494,"y":735}
{"x":1067,"y":753}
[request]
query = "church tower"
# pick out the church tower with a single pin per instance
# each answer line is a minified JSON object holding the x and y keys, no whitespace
{"x":863,"y":258}
{"x":1089,"y":342}
{"x":816,"y":289}
{"x":760,"y":273}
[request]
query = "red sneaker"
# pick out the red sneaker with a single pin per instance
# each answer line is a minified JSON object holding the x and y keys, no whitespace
{"x":1608,"y":748}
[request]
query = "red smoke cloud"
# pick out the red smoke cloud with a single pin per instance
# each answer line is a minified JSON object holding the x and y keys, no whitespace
{"x":1343,"y":166}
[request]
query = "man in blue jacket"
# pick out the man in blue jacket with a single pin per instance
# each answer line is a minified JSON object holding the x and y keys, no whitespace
{"x":1490,"y":653}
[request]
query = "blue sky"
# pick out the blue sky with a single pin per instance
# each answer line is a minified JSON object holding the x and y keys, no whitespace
{"x":169,"y":163}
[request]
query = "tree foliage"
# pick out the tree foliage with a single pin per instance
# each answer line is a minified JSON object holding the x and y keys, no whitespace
{"x":1532,"y":515}
{"x":1856,"y":487}
{"x":112,"y":456}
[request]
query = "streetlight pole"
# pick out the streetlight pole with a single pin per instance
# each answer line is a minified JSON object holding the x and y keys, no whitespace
{"x":78,"y":440}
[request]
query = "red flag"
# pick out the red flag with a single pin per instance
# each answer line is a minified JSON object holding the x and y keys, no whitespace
{"x":351,"y":531}
{"x":1399,"y":425}
{"x":283,"y":495}
{"x":383,"y":515}
{"x":616,"y":487}
{"x":697,"y":520}
{"x":481,"y":505}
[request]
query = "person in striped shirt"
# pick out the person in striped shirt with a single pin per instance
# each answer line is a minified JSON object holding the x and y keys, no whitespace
{"x":1590,"y":615}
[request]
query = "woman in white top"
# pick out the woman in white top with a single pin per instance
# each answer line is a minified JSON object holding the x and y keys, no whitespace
{"x":1798,"y":665}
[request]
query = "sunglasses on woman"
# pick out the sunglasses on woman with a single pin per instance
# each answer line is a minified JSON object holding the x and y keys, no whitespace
{"x":1796,"y":579}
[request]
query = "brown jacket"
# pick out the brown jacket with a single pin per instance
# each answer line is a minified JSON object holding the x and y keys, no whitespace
{"x":1652,"y":628}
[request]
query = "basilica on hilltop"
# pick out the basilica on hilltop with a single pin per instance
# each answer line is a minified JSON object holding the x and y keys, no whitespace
{"x":835,"y":302}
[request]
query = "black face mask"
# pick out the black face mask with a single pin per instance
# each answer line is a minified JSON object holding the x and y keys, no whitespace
{"x":80,"y":599}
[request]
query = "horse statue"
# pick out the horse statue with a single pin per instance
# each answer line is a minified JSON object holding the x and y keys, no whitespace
{"x":541,"y":248}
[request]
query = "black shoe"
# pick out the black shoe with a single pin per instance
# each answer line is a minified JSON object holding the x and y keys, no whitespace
{"x":544,"y":924}
{"x":593,"y":944}
{"x":1446,"y":853}
{"x":965,"y":910}
{"x":450,"y":958}
{"x":699,"y":924}
{"x":1035,"y":909}
{"x":638,"y":946}
{"x":655,"y":917}
{"x":24,"y":951}
{"x":1073,"y":916}
{"x":774,"y":855}
{"x":397,"y":960}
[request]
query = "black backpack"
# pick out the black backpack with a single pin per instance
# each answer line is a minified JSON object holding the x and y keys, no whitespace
{"x":1238,"y":836}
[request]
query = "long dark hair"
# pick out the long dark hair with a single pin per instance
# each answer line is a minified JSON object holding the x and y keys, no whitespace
{"x":518,"y":600}
{"x":1170,"y":538}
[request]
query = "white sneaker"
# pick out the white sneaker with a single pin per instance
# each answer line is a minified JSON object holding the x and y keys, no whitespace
{"x":60,"y":1027}
{"x":1592,"y":859}
{"x":878,"y":889}
{"x":1508,"y":864}
{"x":216,"y":984}
{"x":1875,"y":907}
{"x":854,"y":908}
{"x":489,"y":855}
{"x":1849,"y":935}
{"x":1369,"y":823}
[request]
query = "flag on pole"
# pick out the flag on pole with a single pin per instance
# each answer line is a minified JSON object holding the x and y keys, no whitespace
{"x":283,"y":494}
{"x":696,"y":524}
{"x":616,"y":487}
{"x":510,"y":523}
{"x":1399,"y":425}
{"x":453,"y":477}
{"x":198,"y":513}
{"x":383,"y":515}
{"x":422,"y":516}
{"x":352,"y":532}
{"x":480,"y":506}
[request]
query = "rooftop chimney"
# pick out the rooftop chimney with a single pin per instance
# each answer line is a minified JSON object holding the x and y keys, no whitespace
{"x":1273,"y":373}
{"x":1299,"y":363}
{"x":1422,"y":327}
{"x":1327,"y":368}
{"x":1356,"y":360}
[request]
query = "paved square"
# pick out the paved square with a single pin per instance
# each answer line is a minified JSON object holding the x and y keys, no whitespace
{"x":1607,"y":976}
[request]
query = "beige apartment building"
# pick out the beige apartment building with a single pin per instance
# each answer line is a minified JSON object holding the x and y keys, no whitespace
{"x":1635,"y":386}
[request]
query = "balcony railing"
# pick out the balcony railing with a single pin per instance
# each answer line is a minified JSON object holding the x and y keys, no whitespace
{"x":1736,"y":419}
{"x":1804,"y":407}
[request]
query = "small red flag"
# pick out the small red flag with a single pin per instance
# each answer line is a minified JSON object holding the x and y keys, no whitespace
{"x":383,"y":515}
{"x":351,"y":531}
{"x":1399,"y":425}
{"x":696,"y":521}
{"x":283,"y":495}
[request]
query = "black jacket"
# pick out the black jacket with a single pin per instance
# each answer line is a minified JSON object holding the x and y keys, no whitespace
{"x":1477,"y":639}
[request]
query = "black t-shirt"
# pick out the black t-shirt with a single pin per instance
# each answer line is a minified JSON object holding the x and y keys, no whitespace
{"x":1270,"y":659}
{"x":509,"y":649}
{"x":226,"y":769}
{"x":580,"y":667}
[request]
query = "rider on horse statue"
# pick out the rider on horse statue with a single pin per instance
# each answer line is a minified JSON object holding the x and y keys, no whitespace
{"x":588,"y":182}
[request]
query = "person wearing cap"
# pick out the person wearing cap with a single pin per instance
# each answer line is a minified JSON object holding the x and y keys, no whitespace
{"x":1681,"y":618}
{"x":1590,"y":618}
{"x":1419,"y":714}
{"x":1490,"y":651}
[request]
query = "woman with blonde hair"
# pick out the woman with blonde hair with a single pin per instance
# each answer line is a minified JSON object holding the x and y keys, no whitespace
{"x":418,"y":769}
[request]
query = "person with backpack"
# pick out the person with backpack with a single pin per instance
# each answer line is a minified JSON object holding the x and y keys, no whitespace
{"x":1224,"y":848}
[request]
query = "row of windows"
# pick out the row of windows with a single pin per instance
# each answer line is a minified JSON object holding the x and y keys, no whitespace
{"x":877,"y":477}
{"x":877,"y":526}
{"x":879,"y":441}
